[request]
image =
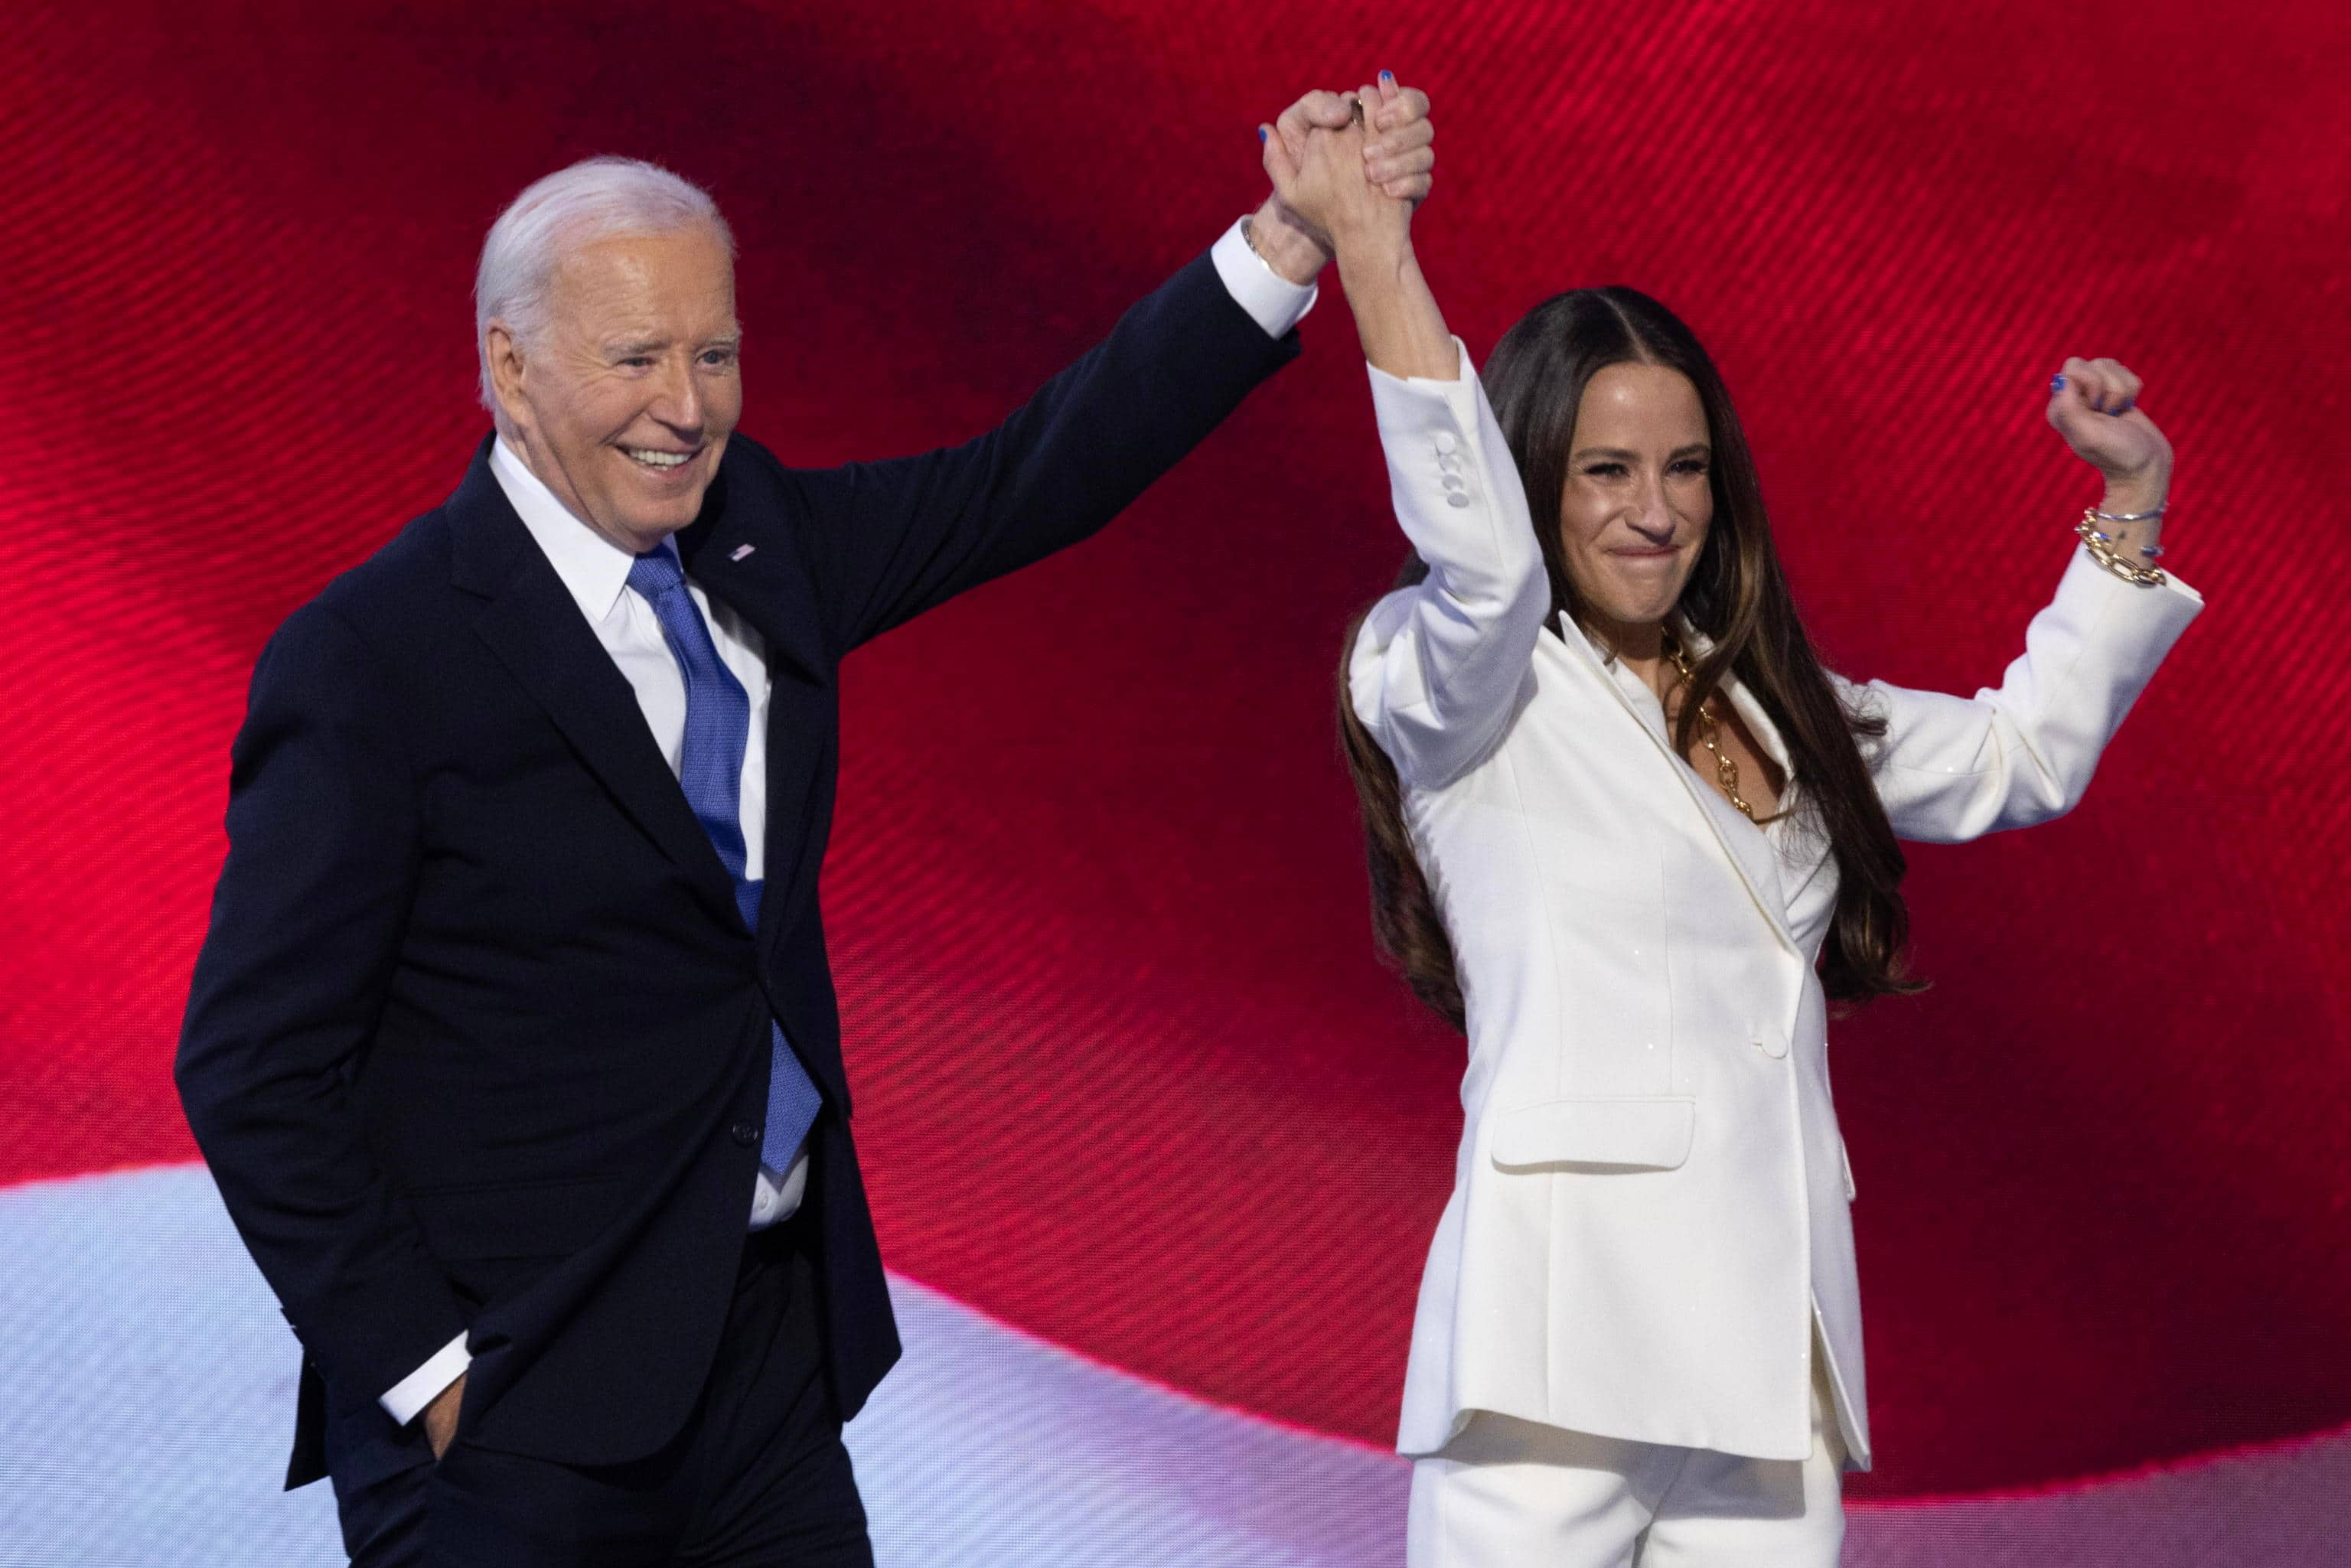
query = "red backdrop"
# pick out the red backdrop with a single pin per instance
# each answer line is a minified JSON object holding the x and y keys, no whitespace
{"x":1129,"y":1075}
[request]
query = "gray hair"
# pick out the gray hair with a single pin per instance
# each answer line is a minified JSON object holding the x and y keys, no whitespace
{"x":596,"y":199}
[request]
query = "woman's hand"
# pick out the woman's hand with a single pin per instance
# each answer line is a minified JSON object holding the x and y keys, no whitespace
{"x":1398,"y":158}
{"x":1326,"y":177}
{"x":2094,"y":405}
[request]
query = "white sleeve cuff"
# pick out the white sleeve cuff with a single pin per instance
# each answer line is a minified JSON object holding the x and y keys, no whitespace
{"x":412,"y":1394}
{"x":775,"y":1198}
{"x":1272,"y":301}
{"x":1459,"y":394}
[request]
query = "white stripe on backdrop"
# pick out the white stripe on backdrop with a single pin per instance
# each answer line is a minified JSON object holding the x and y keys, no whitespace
{"x":146,"y":1394}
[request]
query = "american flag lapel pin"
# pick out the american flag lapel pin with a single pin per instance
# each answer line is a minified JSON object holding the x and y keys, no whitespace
{"x":741,"y":550}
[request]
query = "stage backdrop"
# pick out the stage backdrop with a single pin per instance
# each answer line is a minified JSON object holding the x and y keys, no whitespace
{"x":1154,"y":1144}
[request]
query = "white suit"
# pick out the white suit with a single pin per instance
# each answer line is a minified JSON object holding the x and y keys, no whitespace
{"x":1649,"y":1210}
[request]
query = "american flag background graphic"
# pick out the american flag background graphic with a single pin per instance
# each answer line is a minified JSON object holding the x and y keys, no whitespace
{"x":1155,"y":1145}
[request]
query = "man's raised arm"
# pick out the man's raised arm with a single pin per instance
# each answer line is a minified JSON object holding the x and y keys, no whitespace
{"x":893,"y":538}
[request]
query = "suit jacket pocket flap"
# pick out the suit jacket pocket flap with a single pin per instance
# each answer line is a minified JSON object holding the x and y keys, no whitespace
{"x":1640,"y":1134}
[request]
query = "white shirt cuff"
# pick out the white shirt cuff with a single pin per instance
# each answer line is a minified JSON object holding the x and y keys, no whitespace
{"x":412,"y":1394}
{"x":1272,"y":301}
{"x":775,"y":1198}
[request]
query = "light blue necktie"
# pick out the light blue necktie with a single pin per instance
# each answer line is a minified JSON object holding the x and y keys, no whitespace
{"x":710,"y":767}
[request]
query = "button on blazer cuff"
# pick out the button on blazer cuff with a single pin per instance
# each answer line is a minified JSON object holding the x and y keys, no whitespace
{"x":1438,"y":669}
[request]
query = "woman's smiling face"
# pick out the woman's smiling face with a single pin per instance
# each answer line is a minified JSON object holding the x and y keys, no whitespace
{"x":1638,"y":500}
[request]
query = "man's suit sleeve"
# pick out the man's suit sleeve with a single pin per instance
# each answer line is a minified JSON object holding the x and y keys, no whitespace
{"x":306,"y":923}
{"x":891,"y":539}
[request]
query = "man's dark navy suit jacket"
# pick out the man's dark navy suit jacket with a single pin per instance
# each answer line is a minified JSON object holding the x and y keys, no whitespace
{"x":477,"y":1041}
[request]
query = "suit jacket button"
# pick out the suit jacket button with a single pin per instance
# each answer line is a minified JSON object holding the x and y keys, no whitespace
{"x":1445,"y":441}
{"x":745,"y":1133}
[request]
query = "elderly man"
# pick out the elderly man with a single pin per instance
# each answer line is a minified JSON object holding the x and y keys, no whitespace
{"x":513,"y":1046}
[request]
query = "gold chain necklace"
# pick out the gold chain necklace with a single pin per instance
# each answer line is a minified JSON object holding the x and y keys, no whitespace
{"x":1710,"y":734}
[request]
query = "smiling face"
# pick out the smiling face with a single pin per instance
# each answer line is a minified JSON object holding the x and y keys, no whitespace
{"x":623,"y":402}
{"x":1637,"y":502}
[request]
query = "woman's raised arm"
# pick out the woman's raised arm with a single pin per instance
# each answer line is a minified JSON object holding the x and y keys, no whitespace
{"x":1438,"y":669}
{"x":1955,"y":768}
{"x":1323,"y":181}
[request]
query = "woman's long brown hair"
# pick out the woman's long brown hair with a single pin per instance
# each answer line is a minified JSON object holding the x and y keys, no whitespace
{"x":1737,"y":595}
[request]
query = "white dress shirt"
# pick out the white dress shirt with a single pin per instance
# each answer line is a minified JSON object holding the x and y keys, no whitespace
{"x":596,"y":571}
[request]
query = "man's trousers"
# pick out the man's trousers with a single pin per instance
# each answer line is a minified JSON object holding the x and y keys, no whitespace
{"x":758,"y":1475}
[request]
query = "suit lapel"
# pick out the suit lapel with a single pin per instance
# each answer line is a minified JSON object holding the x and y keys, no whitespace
{"x":1744,"y":844}
{"x":534,"y":626}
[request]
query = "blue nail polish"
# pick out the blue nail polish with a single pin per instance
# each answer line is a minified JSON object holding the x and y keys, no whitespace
{"x":2125,"y":407}
{"x":1387,"y":75}
{"x":1260,"y":133}
{"x":2056,"y":383}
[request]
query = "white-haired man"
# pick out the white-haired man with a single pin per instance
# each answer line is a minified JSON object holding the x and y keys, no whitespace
{"x":513,"y":1045}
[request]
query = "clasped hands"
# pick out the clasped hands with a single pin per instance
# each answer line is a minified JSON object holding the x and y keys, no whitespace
{"x":1344,"y":166}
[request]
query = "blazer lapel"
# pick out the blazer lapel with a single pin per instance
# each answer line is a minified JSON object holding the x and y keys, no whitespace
{"x":534,"y":626}
{"x":1744,"y":844}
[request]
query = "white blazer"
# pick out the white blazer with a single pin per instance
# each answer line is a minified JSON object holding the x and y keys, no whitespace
{"x":1650,"y":1209}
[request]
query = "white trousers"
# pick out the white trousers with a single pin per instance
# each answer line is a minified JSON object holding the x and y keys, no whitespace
{"x":1508,"y":1493}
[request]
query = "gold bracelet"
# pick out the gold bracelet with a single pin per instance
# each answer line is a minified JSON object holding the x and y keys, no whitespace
{"x":2101,"y":548}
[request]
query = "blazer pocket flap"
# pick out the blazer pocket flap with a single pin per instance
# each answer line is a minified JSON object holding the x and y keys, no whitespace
{"x":1638,"y":1135}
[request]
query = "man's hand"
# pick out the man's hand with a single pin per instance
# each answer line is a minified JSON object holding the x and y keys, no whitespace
{"x":440,"y":1417}
{"x":1398,"y":158}
{"x":1397,"y":133}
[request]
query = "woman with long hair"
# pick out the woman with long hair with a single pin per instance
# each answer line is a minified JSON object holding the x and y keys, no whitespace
{"x":1629,"y":836}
